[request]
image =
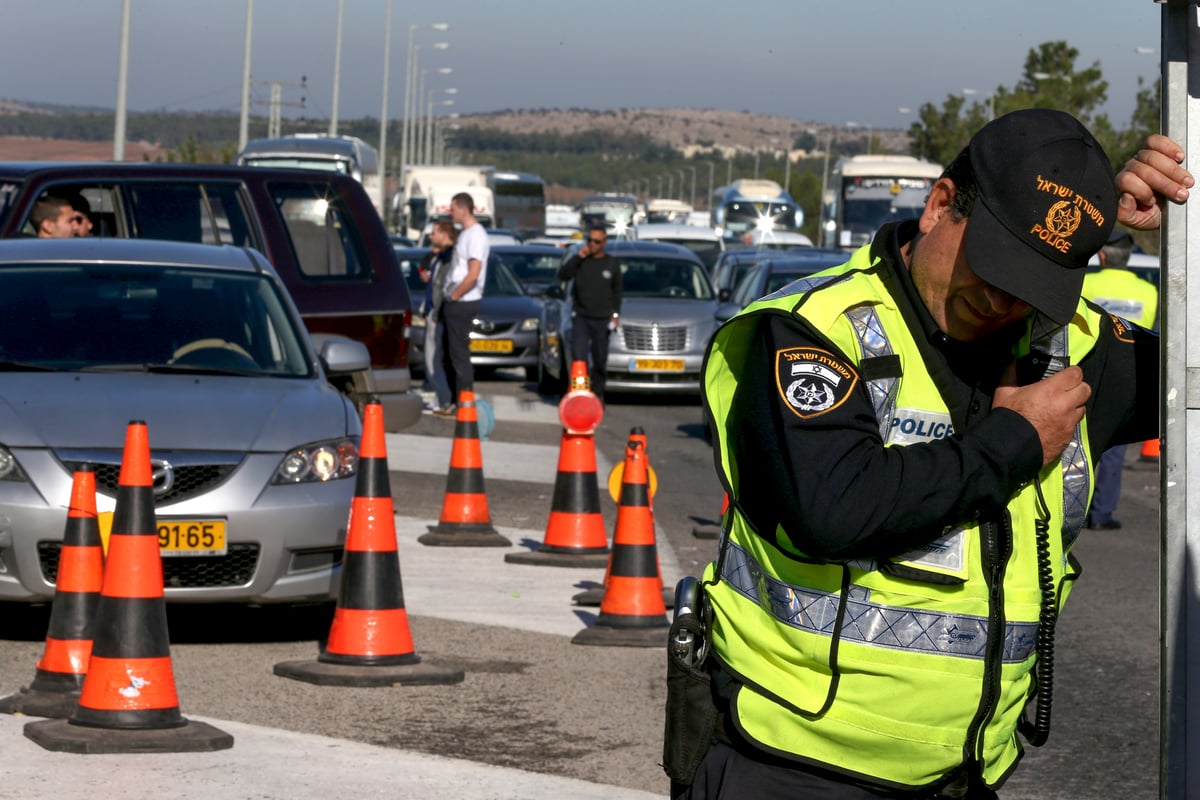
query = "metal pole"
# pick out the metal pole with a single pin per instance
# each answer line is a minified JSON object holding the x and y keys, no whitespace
{"x":824,"y":187}
{"x":244,"y":127}
{"x":681,"y":174}
{"x":787,"y":169}
{"x":383,"y":113}
{"x":729,"y":171}
{"x":1179,"y":415}
{"x":708,"y":197}
{"x":429,"y":130}
{"x":419,"y":121}
{"x":404,"y":135}
{"x":692,"y":197}
{"x":337,"y":73}
{"x":122,"y":83}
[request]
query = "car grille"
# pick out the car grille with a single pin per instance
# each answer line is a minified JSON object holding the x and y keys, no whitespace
{"x":236,"y":568}
{"x":654,"y":338}
{"x":189,"y":481}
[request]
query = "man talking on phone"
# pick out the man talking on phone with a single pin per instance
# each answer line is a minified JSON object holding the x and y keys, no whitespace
{"x":596,"y":303}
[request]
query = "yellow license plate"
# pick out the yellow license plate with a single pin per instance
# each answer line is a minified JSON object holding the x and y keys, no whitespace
{"x":491,"y":345}
{"x":658,"y":365}
{"x":179,"y":537}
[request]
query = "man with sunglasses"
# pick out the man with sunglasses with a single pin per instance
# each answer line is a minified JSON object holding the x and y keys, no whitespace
{"x":596,"y":303}
{"x":54,"y":218}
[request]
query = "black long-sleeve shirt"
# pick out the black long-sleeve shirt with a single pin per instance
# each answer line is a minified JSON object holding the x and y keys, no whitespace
{"x":597,"y":292}
{"x":839,"y":493}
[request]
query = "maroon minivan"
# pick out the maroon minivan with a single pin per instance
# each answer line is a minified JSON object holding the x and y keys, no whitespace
{"x":318,"y":229}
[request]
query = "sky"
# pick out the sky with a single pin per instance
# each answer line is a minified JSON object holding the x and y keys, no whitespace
{"x":829,"y":62}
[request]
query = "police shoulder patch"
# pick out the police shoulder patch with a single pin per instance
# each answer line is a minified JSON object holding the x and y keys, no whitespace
{"x":1122,"y":328}
{"x":813,"y":381}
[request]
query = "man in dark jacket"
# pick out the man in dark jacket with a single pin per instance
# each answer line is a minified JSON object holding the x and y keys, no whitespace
{"x":596,"y":303}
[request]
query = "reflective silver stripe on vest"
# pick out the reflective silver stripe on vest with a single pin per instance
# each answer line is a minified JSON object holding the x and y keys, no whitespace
{"x":799,"y":286}
{"x":868,"y":623}
{"x":874,"y":343}
{"x":1050,"y":338}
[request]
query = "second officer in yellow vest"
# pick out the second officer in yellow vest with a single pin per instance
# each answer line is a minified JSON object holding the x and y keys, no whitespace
{"x":907,"y":441}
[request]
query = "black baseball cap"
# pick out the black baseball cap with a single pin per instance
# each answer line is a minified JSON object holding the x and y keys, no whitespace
{"x":1047,"y":203}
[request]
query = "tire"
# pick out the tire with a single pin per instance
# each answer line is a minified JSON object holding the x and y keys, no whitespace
{"x":549,"y":385}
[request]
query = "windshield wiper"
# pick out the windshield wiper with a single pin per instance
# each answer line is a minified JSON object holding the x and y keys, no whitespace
{"x":179,"y":369}
{"x":25,"y":366}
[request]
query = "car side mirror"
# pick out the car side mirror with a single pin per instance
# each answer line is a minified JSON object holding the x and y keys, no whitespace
{"x":340,"y":355}
{"x":723,"y":295}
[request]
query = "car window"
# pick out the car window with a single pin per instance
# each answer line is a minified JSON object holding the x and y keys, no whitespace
{"x":325,"y":237}
{"x":116,"y":316}
{"x":188,"y":212}
{"x":9,"y":192}
{"x":408,"y":264}
{"x":500,"y":281}
{"x":532,"y":267}
{"x":747,"y":291}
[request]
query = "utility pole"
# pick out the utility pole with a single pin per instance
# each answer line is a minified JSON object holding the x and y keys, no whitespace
{"x":337,"y":73}
{"x":276,"y":103}
{"x":122,"y":81}
{"x":244,"y":126}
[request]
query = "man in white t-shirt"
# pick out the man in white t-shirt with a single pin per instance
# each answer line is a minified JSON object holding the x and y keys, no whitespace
{"x":464,"y":290}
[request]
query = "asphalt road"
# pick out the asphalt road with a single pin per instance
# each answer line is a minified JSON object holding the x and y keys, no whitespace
{"x":533,"y":700}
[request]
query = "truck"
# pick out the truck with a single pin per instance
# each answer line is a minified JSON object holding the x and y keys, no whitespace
{"x":864,"y":192}
{"x":413,"y":203}
{"x":748,"y":204}
{"x":348,"y":155}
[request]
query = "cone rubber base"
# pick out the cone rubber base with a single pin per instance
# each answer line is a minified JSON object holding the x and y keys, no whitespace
{"x":542,"y":558}
{"x":35,"y":703}
{"x":463,"y":536}
{"x":595,"y":596}
{"x":707,"y":531}
{"x":323,"y":674}
{"x":606,"y":636}
{"x":61,"y":736}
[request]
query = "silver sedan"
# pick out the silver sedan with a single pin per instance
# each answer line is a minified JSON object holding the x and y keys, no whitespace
{"x":254,"y":452}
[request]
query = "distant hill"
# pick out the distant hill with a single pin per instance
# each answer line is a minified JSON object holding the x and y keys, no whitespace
{"x":679,"y":128}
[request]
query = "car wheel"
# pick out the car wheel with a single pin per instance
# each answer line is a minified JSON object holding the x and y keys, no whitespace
{"x":533,"y":373}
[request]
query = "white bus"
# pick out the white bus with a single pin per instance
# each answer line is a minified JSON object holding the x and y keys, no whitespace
{"x":348,"y":155}
{"x":864,"y":192}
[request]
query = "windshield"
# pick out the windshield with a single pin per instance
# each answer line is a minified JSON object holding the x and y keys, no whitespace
{"x":743,"y":216}
{"x":117,"y":316}
{"x":533,"y":268}
{"x":663,"y":277}
{"x":607,"y":213}
{"x":500,"y":282}
{"x":870,"y":203}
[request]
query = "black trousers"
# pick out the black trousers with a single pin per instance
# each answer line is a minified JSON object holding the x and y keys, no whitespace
{"x":455,"y":323}
{"x":589,"y":336}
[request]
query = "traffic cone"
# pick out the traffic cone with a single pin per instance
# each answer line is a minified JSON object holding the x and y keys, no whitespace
{"x":465,"y":520}
{"x":632,"y":613}
{"x":712,"y":530}
{"x":1150,"y":450}
{"x":128,"y":702}
{"x":595,"y":595}
{"x":369,"y":642}
{"x":55,"y":689}
{"x":575,"y":535}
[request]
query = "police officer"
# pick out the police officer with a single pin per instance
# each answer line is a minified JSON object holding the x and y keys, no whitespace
{"x":908,"y":442}
{"x":1123,"y":294}
{"x":596,"y":303}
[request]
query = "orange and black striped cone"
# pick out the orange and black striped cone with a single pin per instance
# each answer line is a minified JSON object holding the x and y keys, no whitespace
{"x":370,"y":643}
{"x":711,"y":529}
{"x":595,"y":595}
{"x":1151,"y":449}
{"x":465,"y":520}
{"x":575,"y":535}
{"x":632,"y":613}
{"x":55,"y":689}
{"x":128,"y":702}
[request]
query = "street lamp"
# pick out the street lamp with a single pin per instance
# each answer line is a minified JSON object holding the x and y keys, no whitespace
{"x":692,"y":198}
{"x":429,"y":122}
{"x":409,"y":77}
{"x":337,"y":72}
{"x":708,"y":197}
{"x":383,"y":114}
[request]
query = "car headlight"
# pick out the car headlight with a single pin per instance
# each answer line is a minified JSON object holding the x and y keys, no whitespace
{"x":529,"y":324}
{"x":10,"y":470}
{"x":322,"y":461}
